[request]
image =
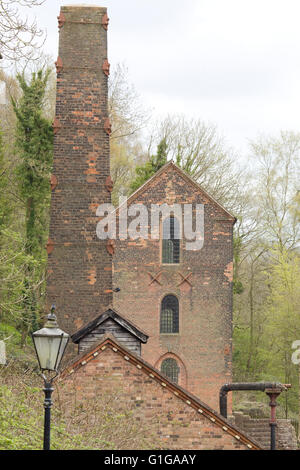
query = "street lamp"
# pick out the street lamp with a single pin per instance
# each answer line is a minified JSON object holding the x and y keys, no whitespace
{"x":50,"y":343}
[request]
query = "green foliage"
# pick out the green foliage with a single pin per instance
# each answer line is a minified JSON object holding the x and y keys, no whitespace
{"x":242,"y":370}
{"x":34,"y":144}
{"x":12,"y":338}
{"x":283,"y":322}
{"x":100,"y":423}
{"x":21,"y":421}
{"x":14,"y":414}
{"x":14,"y":263}
{"x":276,"y":327}
{"x":5,"y":207}
{"x":266,"y":253}
{"x":238,"y":287}
{"x":121,"y":169}
{"x":34,"y":147}
{"x":143,"y":173}
{"x":266,"y":312}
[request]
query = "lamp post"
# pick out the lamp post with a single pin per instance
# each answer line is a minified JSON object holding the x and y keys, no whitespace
{"x":50,"y":343}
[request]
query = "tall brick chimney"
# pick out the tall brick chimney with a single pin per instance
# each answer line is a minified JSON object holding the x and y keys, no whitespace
{"x":79,"y":264}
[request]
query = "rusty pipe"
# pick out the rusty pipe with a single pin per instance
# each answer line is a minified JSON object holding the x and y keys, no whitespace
{"x":259,"y":386}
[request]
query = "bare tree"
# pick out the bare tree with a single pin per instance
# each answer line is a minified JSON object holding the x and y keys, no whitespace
{"x":126,"y":111}
{"x":198,"y":149}
{"x":128,"y":117}
{"x":275,"y":192}
{"x":20,"y":39}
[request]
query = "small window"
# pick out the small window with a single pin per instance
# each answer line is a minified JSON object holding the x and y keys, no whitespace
{"x":169,"y":367}
{"x":169,"y":315}
{"x":170,"y":241}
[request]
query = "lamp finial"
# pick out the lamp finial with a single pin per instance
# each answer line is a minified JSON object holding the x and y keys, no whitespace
{"x":51,"y":318}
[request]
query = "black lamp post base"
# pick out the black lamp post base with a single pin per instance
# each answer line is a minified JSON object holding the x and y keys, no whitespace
{"x":48,"y":389}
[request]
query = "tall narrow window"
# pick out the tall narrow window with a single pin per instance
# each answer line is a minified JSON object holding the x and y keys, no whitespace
{"x":169,"y":315}
{"x":169,"y":367}
{"x":170,"y":241}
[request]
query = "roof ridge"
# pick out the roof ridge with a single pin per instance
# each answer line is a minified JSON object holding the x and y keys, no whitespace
{"x":116,"y":316}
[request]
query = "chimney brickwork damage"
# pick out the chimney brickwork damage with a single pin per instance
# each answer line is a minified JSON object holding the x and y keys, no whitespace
{"x":79,"y":264}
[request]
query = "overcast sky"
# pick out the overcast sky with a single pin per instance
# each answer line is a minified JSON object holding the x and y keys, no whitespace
{"x":235,"y":63}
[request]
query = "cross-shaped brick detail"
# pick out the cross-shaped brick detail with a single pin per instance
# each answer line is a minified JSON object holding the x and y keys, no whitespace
{"x":154,"y":278}
{"x":185,"y":279}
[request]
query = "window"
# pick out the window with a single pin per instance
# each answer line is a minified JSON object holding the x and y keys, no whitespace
{"x":170,"y":241}
{"x":169,"y":367}
{"x":169,"y":315}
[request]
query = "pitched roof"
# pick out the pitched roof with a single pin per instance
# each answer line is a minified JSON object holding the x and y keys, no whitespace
{"x":110,"y":313}
{"x":109,"y":341}
{"x":185,"y":176}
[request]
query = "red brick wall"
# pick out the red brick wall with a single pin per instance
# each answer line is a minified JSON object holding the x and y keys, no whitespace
{"x":173,"y":423}
{"x":79,"y":267}
{"x":203,"y":345}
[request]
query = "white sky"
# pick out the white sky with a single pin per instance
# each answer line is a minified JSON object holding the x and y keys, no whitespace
{"x":235,"y":63}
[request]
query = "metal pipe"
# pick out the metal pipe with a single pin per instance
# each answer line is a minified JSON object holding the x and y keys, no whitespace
{"x":273,"y":390}
{"x":259,"y":386}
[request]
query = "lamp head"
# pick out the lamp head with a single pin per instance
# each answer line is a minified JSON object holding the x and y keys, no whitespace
{"x":50,"y":343}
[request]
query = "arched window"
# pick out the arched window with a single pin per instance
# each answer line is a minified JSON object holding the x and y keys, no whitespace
{"x":169,"y":367}
{"x":170,"y":241}
{"x":169,"y":315}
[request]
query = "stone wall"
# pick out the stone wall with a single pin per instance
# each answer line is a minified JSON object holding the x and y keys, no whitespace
{"x":259,"y":429}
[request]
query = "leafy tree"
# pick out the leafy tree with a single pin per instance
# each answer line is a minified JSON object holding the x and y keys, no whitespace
{"x":34,"y":145}
{"x":17,"y":269}
{"x":282,"y":319}
{"x":275,"y":193}
{"x":267,"y":264}
{"x":143,"y":173}
{"x":238,"y":287}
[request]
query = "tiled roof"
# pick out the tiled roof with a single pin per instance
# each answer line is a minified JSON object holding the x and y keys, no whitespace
{"x":114,"y":315}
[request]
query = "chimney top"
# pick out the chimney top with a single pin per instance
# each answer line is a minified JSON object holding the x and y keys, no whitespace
{"x":82,"y":5}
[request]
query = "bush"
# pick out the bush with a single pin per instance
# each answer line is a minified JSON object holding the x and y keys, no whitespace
{"x":88,"y":424}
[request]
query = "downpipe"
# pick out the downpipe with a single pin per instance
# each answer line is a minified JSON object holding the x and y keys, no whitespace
{"x":272,"y":389}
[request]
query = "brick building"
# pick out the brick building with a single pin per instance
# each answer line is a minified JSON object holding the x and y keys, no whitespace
{"x":166,"y":334}
{"x":170,"y":416}
{"x":181,"y":298}
{"x":194,"y":288}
